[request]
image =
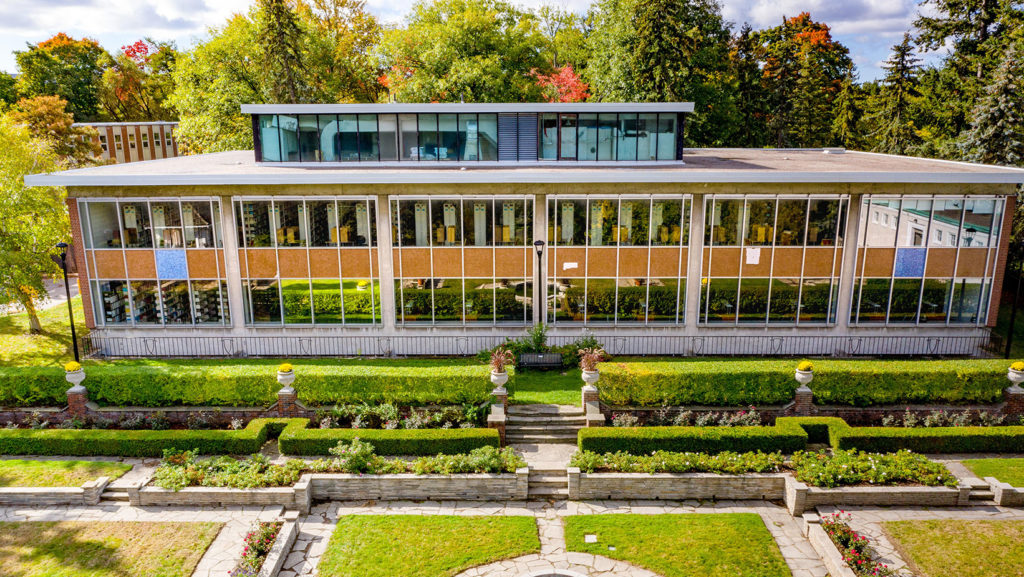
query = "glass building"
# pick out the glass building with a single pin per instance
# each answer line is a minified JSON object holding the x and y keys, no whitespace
{"x":369,"y":229}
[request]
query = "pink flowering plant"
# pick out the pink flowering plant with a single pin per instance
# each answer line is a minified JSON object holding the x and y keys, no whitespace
{"x":258,"y":543}
{"x":854,"y":547}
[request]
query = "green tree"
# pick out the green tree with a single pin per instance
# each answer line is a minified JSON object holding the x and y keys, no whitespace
{"x":8,"y":90}
{"x":846,"y":126}
{"x":137,"y":82}
{"x":66,"y":67}
{"x":566,"y":34}
{"x":969,"y":26}
{"x":471,"y":50}
{"x":996,"y":135}
{"x":666,"y":51}
{"x":47,"y":119}
{"x":751,"y":96}
{"x":342,"y":36}
{"x":32,"y":219}
{"x":280,"y":43}
{"x":894,"y":116}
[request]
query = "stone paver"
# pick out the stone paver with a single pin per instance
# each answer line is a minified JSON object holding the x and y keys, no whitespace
{"x":545,"y":455}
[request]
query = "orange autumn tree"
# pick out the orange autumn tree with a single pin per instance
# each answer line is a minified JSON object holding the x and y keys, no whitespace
{"x":563,"y":85}
{"x":66,"y":67}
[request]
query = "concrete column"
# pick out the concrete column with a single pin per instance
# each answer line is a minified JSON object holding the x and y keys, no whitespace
{"x":232,"y":270}
{"x":694,"y":257}
{"x":540,"y":232}
{"x":385,"y":264}
{"x":848,"y":270}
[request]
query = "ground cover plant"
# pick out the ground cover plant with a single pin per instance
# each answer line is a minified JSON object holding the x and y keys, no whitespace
{"x":854,"y":547}
{"x":103,"y":549}
{"x":736,"y":544}
{"x":258,"y":543}
{"x":391,"y":416}
{"x":23,"y":473}
{"x":959,"y":548}
{"x":180,"y":469}
{"x":423,"y":546}
{"x":727,"y":463}
{"x":838,"y":468}
{"x":1006,"y":470}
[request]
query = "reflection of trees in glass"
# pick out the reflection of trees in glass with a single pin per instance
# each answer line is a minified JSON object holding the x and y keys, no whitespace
{"x":760,"y":218}
{"x":667,"y":231}
{"x":906,"y":294}
{"x":814,"y":300}
{"x":727,"y":222}
{"x":635,"y":215}
{"x":821,"y":229}
{"x":718,"y":298}
{"x":784,"y":297}
{"x":790,"y":228}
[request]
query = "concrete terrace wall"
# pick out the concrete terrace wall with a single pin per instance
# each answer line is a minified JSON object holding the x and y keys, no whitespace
{"x":88,"y":494}
{"x":583,"y":486}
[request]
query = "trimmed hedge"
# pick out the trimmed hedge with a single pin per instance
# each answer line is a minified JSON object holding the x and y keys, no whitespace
{"x":303,"y":441}
{"x":928,"y":439}
{"x":294,"y":439}
{"x":406,"y":382}
{"x":786,"y":436}
{"x":767,"y":382}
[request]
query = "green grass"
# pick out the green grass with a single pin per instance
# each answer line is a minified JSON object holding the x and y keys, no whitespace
{"x":691,"y":545}
{"x":424,"y":546}
{"x":52,"y":347}
{"x":559,"y":387}
{"x":103,"y":549}
{"x":960,"y":548}
{"x":1006,"y":470}
{"x":20,"y":473}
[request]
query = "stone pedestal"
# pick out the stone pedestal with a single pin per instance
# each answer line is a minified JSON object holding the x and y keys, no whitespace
{"x":288,"y":403}
{"x":803,"y":402}
{"x":78,"y":397}
{"x":590,"y":395}
{"x":1013,"y":397}
{"x":500,"y":395}
{"x":497,"y":420}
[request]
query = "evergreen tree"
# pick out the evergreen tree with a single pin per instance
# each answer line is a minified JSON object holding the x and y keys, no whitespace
{"x":846,"y":127}
{"x":897,"y":133}
{"x":996,"y":135}
{"x":751,"y":96}
{"x":969,"y":25}
{"x":280,"y":41}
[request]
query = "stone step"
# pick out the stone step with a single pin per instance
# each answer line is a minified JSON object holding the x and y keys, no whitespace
{"x":549,"y":492}
{"x":581,"y":420}
{"x":542,"y":410}
{"x":982,"y":496}
{"x":546,"y":471}
{"x":114,"y":496}
{"x":975,"y":483}
{"x":548,"y":480}
{"x":543,"y":429}
{"x":511,"y":437}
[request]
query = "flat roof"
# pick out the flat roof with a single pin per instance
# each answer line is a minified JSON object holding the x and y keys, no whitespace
{"x":704,"y":165}
{"x":466,"y":107}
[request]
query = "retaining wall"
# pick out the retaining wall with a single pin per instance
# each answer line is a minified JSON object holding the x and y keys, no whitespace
{"x":88,"y":494}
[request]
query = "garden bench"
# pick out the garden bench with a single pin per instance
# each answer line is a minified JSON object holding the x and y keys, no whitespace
{"x":540,"y":360}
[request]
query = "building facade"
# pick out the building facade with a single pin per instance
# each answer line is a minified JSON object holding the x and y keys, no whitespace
{"x":444,"y":229}
{"x":134,"y":141}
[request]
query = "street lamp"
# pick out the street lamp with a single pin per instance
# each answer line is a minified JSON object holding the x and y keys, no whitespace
{"x":1013,"y":311}
{"x":63,"y":262}
{"x":969,"y":233}
{"x":541,"y":289}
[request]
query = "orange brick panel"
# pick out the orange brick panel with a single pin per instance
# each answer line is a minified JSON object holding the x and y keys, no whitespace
{"x":601,"y":262}
{"x":633,"y":262}
{"x":571,"y":263}
{"x":478,"y":262}
{"x":415,"y":262}
{"x":725,"y":262}
{"x":293,"y":263}
{"x":110,"y":263}
{"x":665,"y":261}
{"x":447,"y":262}
{"x":971,"y":262}
{"x":763,"y":268}
{"x":141,"y":264}
{"x":511,"y":262}
{"x":202,"y":263}
{"x":788,"y":261}
{"x":323,"y":263}
{"x":879,"y":262}
{"x":941,"y":262}
{"x":262,"y":263}
{"x":356,"y":262}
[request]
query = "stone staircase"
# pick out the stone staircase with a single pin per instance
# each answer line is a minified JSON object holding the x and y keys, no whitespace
{"x":543,"y":424}
{"x":114,"y":496}
{"x":981,"y":492}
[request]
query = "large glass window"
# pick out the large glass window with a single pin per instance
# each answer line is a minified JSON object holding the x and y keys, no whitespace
{"x":387,"y":126}
{"x":634,"y":221}
{"x":361,"y":301}
{"x":296,"y":298}
{"x":753,"y":306}
{"x":270,"y":138}
{"x":111,"y":302}
{"x":603,"y":227}
{"x":670,"y":226}
{"x":445,"y":222}
{"x":369,"y":141}
{"x":666,"y":137}
{"x":135,"y":224}
{"x":146,"y":303}
{"x":102,"y":220}
{"x":789,"y":229}
{"x":167,"y":231}
{"x":478,"y":219}
{"x":263,"y":305}
{"x":289,"y":138}
{"x":487,"y":136}
{"x":408,"y":137}
{"x":309,"y":138}
{"x":725,"y":223}
{"x":429,"y":142}
{"x":448,"y":137}
{"x":628,"y":134}
{"x":647,"y":137}
{"x":760,"y":220}
{"x":177,"y":306}
{"x":199,"y":221}
{"x":588,"y":138}
{"x":549,"y":136}
{"x":210,"y":299}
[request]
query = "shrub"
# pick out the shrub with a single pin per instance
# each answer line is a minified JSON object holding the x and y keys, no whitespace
{"x":734,"y":383}
{"x":181,"y":469}
{"x":929,"y":440}
{"x":854,"y":467}
{"x":786,"y":437}
{"x":258,"y":543}
{"x":241,"y":385}
{"x":854,"y":548}
{"x":726,"y":462}
{"x":302,"y":441}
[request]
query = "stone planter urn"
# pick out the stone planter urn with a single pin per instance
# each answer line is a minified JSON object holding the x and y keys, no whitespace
{"x":590,"y":378}
{"x":499,"y":380}
{"x":1016,"y":373}
{"x":75,"y":376}
{"x":804,"y":377}
{"x":286,"y":376}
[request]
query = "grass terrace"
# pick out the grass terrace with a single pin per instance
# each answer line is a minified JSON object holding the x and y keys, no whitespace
{"x":52,"y":347}
{"x":424,"y":546}
{"x":103,"y":549}
{"x":22,"y":473}
{"x":1006,"y":470}
{"x":691,"y":545}
{"x":959,"y":548}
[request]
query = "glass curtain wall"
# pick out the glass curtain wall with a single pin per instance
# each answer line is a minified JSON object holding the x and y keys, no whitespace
{"x":155,"y":262}
{"x":464,"y":260}
{"x":926,"y":259}
{"x":771,"y":260}
{"x":617,"y":259}
{"x":308,"y":261}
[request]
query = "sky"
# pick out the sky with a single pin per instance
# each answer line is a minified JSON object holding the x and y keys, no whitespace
{"x":868,"y":27}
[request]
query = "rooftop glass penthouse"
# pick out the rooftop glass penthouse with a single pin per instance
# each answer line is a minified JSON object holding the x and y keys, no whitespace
{"x":444,"y":228}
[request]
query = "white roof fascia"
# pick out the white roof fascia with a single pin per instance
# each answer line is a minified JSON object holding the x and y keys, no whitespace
{"x":625,"y":176}
{"x":467,"y":107}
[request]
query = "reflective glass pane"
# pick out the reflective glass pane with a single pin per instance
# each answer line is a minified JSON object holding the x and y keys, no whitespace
{"x":445,"y":225}
{"x":511,"y":226}
{"x":603,"y":225}
{"x":935,"y":300}
{"x":814,"y":300}
{"x":627,"y":137}
{"x":588,"y":137}
{"x":469,"y":138}
{"x":414,"y":222}
{"x":135,"y":224}
{"x":480,"y":300}
{"x":549,"y":136}
{"x":477,"y":219}
{"x":906,"y":295}
{"x":968,"y":301}
{"x":289,"y":134}
{"x":356,"y":223}
{"x":725,"y":223}
{"x":946,"y":222}
{"x":666,"y":137}
{"x":295,"y":295}
{"x":254,"y":221}
{"x":631,"y":300}
{"x":326,"y":301}
{"x":167,"y":231}
{"x":718,"y":300}
{"x":783,"y":306}
{"x":387,"y":125}
{"x":448,"y":137}
{"x":288,"y":220}
{"x":112,"y":301}
{"x":753,"y":300}
{"x":488,"y":136}
{"x":146,"y":302}
{"x":634,"y":220}
{"x":823,"y":218}
{"x":104,"y":229}
{"x":323,"y":223}
{"x":197,"y":221}
{"x":913,"y":225}
{"x":647,"y":126}
{"x":978,"y":225}
{"x":882,"y":218}
{"x":348,"y":138}
{"x":264,"y":301}
{"x":571,"y":222}
{"x":600,"y":300}
{"x":270,"y":139}
{"x":369,"y":143}
{"x":408,"y":136}
{"x":362,"y":301}
{"x":447,"y":300}
{"x":329,"y":142}
{"x":789,"y":230}
{"x":524,"y":297}
{"x":207,"y":299}
{"x":309,"y":138}
{"x":607,"y":135}
{"x":428,"y":137}
{"x":663,"y":299}
{"x":567,"y":145}
{"x":570,"y":300}
{"x":416,"y":300}
{"x":760,"y":222}
{"x":177,"y":307}
{"x":667,"y":222}
{"x":873,"y":295}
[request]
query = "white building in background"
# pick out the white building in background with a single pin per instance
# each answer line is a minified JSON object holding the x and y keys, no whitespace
{"x":134,"y":141}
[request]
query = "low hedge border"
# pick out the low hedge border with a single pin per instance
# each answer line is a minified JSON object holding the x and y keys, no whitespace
{"x":294,"y":438}
{"x":792,"y":434}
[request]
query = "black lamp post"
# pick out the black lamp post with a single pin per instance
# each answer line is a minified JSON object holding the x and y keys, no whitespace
{"x":539,"y":245}
{"x":63,"y":246}
{"x":1013,"y":311}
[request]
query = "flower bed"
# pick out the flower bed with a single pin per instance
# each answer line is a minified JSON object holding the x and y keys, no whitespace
{"x":726,"y":463}
{"x":822,"y":469}
{"x":258,"y":544}
{"x":854,"y":548}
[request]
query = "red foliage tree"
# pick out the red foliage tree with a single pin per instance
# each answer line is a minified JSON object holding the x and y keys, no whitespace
{"x":563,"y":85}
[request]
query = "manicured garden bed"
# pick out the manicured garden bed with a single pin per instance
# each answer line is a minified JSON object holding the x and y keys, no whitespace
{"x":959,"y":548}
{"x":423,"y":546}
{"x":103,"y":549}
{"x":1006,"y":470}
{"x":22,"y":473}
{"x":736,"y":544}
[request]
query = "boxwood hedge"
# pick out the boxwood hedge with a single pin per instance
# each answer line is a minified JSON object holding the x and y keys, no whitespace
{"x":158,"y":385}
{"x":786,"y":436}
{"x":767,"y":382}
{"x":294,"y":439}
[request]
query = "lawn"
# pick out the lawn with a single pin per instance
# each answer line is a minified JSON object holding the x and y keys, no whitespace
{"x":51,"y":347}
{"x":424,"y":546}
{"x":559,"y":387}
{"x":1006,"y":470}
{"x":960,"y":548}
{"x":20,"y":473}
{"x":103,"y":549}
{"x":691,"y":545}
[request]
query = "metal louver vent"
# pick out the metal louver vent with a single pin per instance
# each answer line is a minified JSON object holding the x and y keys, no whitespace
{"x":527,"y":137}
{"x":507,"y":137}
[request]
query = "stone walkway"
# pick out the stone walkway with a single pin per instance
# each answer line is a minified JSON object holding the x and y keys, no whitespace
{"x":315,"y":531}
{"x":545,"y":456}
